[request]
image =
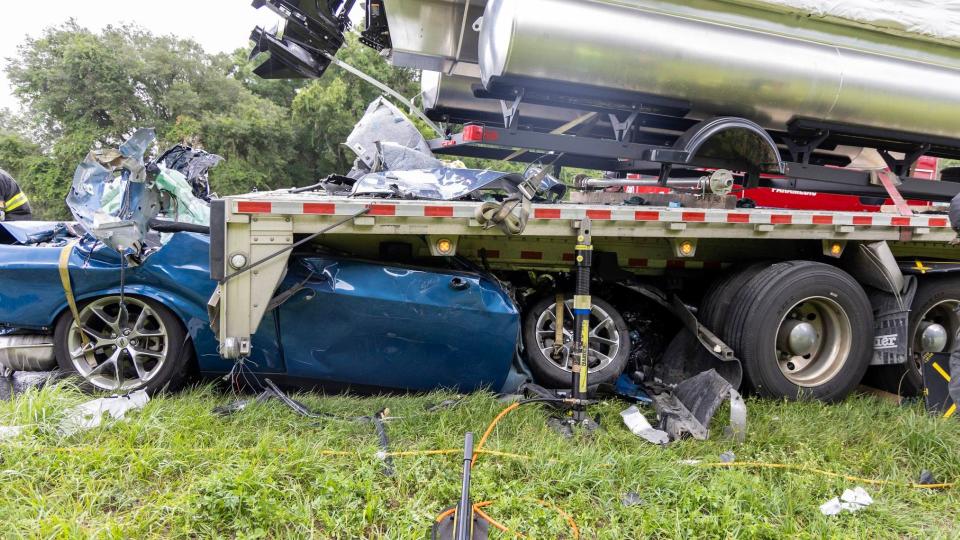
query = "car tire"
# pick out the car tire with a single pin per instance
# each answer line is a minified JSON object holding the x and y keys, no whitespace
{"x":935,"y":301}
{"x":152,"y":356}
{"x":548,"y":371}
{"x":803,"y":330}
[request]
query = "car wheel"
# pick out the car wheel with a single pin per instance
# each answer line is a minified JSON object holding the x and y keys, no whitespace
{"x":934,"y":327}
{"x":803,"y":330}
{"x":143,"y":350}
{"x":608,"y":343}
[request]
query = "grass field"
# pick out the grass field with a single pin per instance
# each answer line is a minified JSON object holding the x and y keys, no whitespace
{"x":177,"y":470}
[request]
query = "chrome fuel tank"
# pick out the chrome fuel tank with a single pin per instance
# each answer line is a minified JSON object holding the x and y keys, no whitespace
{"x":757,"y":71}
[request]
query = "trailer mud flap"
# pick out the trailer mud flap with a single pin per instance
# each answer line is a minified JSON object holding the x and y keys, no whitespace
{"x":891,"y":314}
{"x":941,"y":389}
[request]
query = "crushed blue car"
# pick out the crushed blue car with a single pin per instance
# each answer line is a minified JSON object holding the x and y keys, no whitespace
{"x":135,"y":267}
{"x":340,"y":322}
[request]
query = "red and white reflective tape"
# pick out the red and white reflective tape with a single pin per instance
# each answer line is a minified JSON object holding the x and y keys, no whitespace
{"x":462,"y":210}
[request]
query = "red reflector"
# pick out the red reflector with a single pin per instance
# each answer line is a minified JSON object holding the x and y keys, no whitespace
{"x":546,"y":213}
{"x":438,"y":211}
{"x":641,"y":263}
{"x":781,"y":219}
{"x":738,"y":218}
{"x":568,"y":256}
{"x":900,"y":221}
{"x":693,"y":216}
{"x":938,"y":222}
{"x":472,"y":133}
{"x":490,"y":253}
{"x":823,"y":220}
{"x":646,"y":216}
{"x":247,"y":207}
{"x":862,"y":220}
{"x":676,"y":264}
{"x":712,"y":265}
{"x":319,"y":208}
{"x":535,"y":255}
{"x":598,"y":214}
{"x":382,"y":210}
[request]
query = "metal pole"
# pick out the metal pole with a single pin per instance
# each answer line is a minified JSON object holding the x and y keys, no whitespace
{"x":582,"y":306}
{"x":464,"y":530}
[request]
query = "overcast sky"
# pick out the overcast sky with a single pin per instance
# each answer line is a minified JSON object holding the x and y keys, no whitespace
{"x":218,"y":25}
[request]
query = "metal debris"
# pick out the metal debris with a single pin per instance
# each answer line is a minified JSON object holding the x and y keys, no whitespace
{"x":852,"y":500}
{"x":639,"y":426}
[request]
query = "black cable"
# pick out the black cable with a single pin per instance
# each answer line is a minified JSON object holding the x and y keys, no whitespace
{"x":294,"y":245}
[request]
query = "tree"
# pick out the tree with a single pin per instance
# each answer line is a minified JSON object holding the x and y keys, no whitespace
{"x":82,"y":89}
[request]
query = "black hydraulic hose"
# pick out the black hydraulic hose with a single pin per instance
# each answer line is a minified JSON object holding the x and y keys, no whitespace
{"x":294,"y":245}
{"x":464,"y":529}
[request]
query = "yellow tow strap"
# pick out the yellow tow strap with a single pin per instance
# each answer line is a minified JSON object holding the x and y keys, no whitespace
{"x":64,"y":267}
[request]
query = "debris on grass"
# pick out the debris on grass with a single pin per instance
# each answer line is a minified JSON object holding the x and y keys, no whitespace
{"x":852,"y":500}
{"x":639,"y":426}
{"x":728,"y":457}
{"x":90,"y":414}
{"x":10,"y":432}
{"x":631,"y":498}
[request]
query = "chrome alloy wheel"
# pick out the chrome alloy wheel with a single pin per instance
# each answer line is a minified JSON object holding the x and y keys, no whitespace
{"x":603,"y":341}
{"x":122,"y":352}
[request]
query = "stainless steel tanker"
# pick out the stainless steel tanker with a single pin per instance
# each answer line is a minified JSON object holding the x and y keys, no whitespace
{"x":723,"y":68}
{"x":453,"y":95}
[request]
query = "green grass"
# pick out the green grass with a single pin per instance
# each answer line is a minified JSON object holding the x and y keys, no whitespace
{"x":175,"y":469}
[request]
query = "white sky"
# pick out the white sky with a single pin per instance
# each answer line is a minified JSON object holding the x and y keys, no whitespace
{"x":218,"y":25}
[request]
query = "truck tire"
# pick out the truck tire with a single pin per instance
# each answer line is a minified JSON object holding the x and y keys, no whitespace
{"x":716,"y":303}
{"x":609,"y":343}
{"x":936,"y":302}
{"x":803,"y":329}
{"x":145,"y":354}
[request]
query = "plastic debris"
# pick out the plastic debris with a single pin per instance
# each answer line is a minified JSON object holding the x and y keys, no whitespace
{"x":728,"y":457}
{"x":852,"y":500}
{"x":90,"y":414}
{"x":9,"y":432}
{"x":927,"y":478}
{"x":631,"y":498}
{"x":639,"y":426}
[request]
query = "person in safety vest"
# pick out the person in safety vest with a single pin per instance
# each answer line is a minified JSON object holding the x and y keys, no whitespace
{"x":13,"y":202}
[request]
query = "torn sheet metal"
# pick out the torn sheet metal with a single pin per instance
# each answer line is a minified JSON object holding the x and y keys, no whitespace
{"x":639,"y":426}
{"x":194,"y":165}
{"x":385,"y":138}
{"x":28,"y":233}
{"x":445,"y":183}
{"x":90,"y":414}
{"x":440,"y":184}
{"x":110,"y":195}
{"x":689,"y":409}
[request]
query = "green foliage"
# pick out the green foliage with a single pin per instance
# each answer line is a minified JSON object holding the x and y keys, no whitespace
{"x":82,"y":89}
{"x":177,"y":470}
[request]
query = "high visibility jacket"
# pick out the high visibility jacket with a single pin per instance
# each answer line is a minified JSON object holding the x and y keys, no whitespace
{"x":13,"y":202}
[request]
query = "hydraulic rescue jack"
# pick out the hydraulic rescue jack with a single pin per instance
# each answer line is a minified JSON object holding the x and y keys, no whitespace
{"x":582,"y":308}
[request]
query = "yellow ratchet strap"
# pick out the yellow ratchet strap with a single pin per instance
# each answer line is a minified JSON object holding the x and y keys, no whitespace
{"x":64,"y":267}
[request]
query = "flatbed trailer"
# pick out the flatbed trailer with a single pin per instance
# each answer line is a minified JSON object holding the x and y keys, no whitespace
{"x":688,"y":244}
{"x":806,"y":300}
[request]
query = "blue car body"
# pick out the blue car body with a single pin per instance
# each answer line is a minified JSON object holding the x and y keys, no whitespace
{"x":350,"y":322}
